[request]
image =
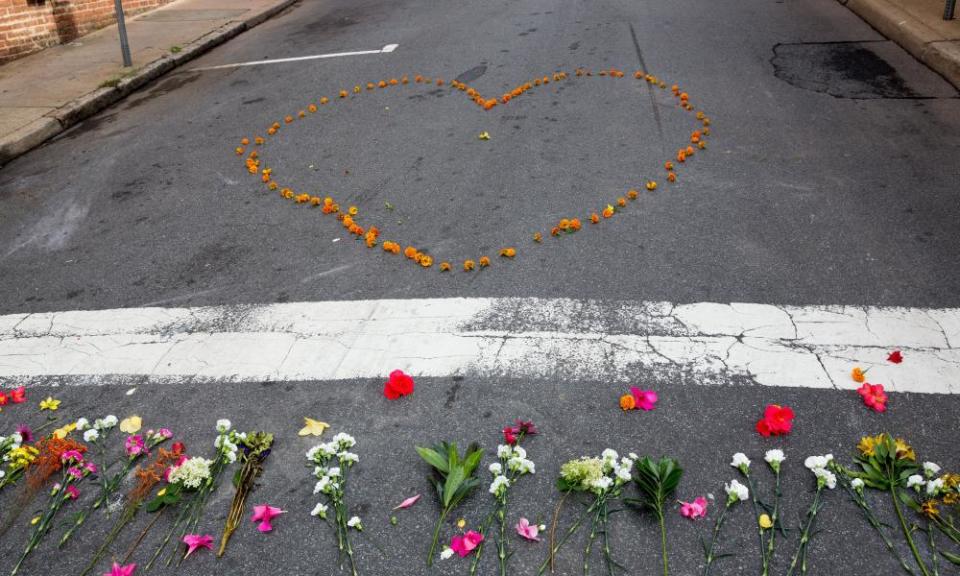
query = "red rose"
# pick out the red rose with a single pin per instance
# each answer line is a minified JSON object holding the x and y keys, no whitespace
{"x":398,"y":385}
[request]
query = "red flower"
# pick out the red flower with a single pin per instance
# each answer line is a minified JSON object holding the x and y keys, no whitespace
{"x":178,"y":447}
{"x":18,"y":395}
{"x":508,"y":436}
{"x":398,"y":385}
{"x":896,"y":357}
{"x":776,"y":420}
{"x":873,"y":396}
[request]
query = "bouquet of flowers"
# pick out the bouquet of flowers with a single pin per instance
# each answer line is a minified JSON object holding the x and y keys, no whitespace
{"x":512,"y":463}
{"x":146,"y":478}
{"x":453,"y":478}
{"x":16,"y":456}
{"x":331,"y":463}
{"x":74,"y":471}
{"x":136,"y":446}
{"x":603,"y":479}
{"x":256,"y":447}
{"x":191,"y":482}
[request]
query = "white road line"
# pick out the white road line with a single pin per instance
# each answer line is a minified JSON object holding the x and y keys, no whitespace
{"x":385,"y":50}
{"x":523,"y":338}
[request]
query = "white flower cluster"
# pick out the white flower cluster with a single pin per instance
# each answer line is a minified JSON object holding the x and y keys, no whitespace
{"x":736,"y":492}
{"x":7,"y":445}
{"x":499,"y":485}
{"x":101,"y":424}
{"x":192,"y":473}
{"x":329,"y":460}
{"x":857,"y":484}
{"x":616,"y":471}
{"x":818,"y":465}
{"x":227,"y":441}
{"x":513,"y":459}
{"x":223,"y":426}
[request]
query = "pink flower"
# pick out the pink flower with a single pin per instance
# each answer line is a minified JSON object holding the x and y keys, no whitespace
{"x":465,"y":544}
{"x":873,"y":396}
{"x":165,"y":433}
{"x":527,"y":530}
{"x":75,"y":472}
{"x":24,"y":431}
{"x":264,"y":514}
{"x":408,"y":502}
{"x":71,"y":455}
{"x":91,"y":467}
{"x":135,"y":445}
{"x":72,"y":492}
{"x":521,"y":428}
{"x":645,"y":399}
{"x":196,"y":541}
{"x":118,"y":570}
{"x":695,"y":509}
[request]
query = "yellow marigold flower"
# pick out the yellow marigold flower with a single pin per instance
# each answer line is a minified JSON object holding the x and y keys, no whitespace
{"x":444,"y":266}
{"x":343,"y":93}
{"x":301,"y":114}
{"x":238,"y":150}
{"x":353,"y":210}
{"x":537,"y":237}
{"x":259,"y":140}
{"x":426,"y":261}
{"x":508,"y":252}
{"x":651,"y":185}
{"x":314,"y":200}
{"x":632,"y":194}
{"x":49,"y":403}
{"x":324,"y":100}
{"x":273,"y":185}
{"x":468,"y":265}
{"x":356,"y":89}
{"x":484,"y":261}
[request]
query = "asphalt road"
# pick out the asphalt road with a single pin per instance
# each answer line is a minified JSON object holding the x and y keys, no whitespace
{"x":827,"y":180}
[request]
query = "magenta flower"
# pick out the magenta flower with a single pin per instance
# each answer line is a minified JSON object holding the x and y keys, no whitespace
{"x":75,"y":472}
{"x":72,"y":492}
{"x":465,"y":544}
{"x":196,"y":541}
{"x":165,"y":433}
{"x":265,"y":514}
{"x":71,"y":456}
{"x":645,"y":399}
{"x":527,"y":530}
{"x":91,"y":467}
{"x":24,"y":431}
{"x":135,"y":445}
{"x":118,"y":570}
{"x":695,"y":509}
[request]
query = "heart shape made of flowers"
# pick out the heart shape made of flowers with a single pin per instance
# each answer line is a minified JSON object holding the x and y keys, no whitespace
{"x":251,"y":150}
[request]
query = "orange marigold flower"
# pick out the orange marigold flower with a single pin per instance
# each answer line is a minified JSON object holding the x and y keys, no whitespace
{"x":508,"y":252}
{"x":371,"y":241}
{"x":314,"y":200}
{"x":312,"y":107}
{"x":672,"y":177}
{"x":858,"y":375}
{"x":675,"y":89}
{"x":564,"y":224}
{"x":426,"y":261}
{"x":418,"y":78}
{"x":555,"y":231}
{"x":594,"y":218}
{"x":288,"y":119}
{"x":484,"y":261}
{"x":347,"y":221}
{"x":684,"y":96}
{"x":272,"y":185}
{"x":410,"y":252}
{"x":259,"y":140}
{"x":444,"y":266}
{"x":245,"y":141}
{"x":393,"y":82}
{"x":353,"y":210}
{"x":627,"y":402}
{"x":238,"y":150}
{"x":706,"y":122}
{"x":382,"y":84}
{"x":689,"y":150}
{"x":468,"y":265}
{"x":328,"y":201}
{"x":702,"y":144}
{"x":651,"y":185}
{"x":324,"y":100}
{"x":343,"y":93}
{"x":301,"y":114}
{"x":439,"y":81}
{"x":632,"y":194}
{"x":608,"y":211}
{"x":621,"y":201}
{"x":575,"y":224}
{"x":489,"y":103}
{"x":537,"y":237}
{"x":404,"y":80}
{"x":681,"y":155}
{"x":700,"y":115}
{"x":668,"y":165}
{"x":335,"y":207}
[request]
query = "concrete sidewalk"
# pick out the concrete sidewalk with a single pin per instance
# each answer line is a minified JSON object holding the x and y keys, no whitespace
{"x":45,"y":93}
{"x":918,"y":26}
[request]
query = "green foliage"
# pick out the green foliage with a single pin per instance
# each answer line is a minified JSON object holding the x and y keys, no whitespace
{"x":170,"y":496}
{"x":453,"y":476}
{"x":887,"y":466}
{"x":657,"y":481}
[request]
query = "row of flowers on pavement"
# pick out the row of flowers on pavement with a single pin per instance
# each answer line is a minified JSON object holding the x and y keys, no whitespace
{"x":169,"y":483}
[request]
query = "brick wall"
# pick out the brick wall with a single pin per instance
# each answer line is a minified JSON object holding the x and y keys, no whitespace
{"x":30,"y":25}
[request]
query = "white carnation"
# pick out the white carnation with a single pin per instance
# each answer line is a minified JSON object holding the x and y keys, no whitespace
{"x":223,"y":425}
{"x":82,"y":424}
{"x":934,"y":486}
{"x":504,"y":451}
{"x":496,"y":469}
{"x":737,"y":491}
{"x":828,"y":477}
{"x":91,"y":435}
{"x":320,"y":510}
{"x":774,"y":456}
{"x":930,"y":469}
{"x":857,"y":484}
{"x":915,"y":481}
{"x":740,"y":461}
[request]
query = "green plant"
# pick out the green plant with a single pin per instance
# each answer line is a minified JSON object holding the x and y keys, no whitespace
{"x":657,"y":481}
{"x":453,"y":479}
{"x":175,"y":49}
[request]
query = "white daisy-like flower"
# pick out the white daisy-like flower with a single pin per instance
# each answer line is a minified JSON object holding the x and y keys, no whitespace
{"x":447,"y":553}
{"x":311,"y":453}
{"x":355,"y":523}
{"x":344,"y":440}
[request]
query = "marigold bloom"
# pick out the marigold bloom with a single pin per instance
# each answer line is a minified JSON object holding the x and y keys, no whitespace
{"x":632,"y":194}
{"x":404,"y":80}
{"x":555,"y":231}
{"x":393,"y":82}
{"x":608,"y":211}
{"x":238,"y":150}
{"x":858,"y":374}
{"x":564,"y":224}
{"x":681,"y":155}
{"x":701,"y":145}
{"x":651,"y":185}
{"x":689,"y":150}
{"x":343,"y":93}
{"x":627,"y":402}
{"x":508,"y":252}
{"x":537,"y":237}
{"x":324,"y":100}
{"x":288,"y":119}
{"x":621,"y":201}
{"x":312,"y":107}
{"x":426,"y":261}
{"x":484,"y":261}
{"x":272,"y":186}
{"x":410,"y":252}
{"x":347,"y":221}
{"x":672,"y":177}
{"x":245,"y":141}
{"x":575,"y":224}
{"x":301,"y":114}
{"x":353,"y":210}
{"x":418,"y":78}
{"x":468,"y":265}
{"x":356,"y":89}
{"x":259,"y":140}
{"x":444,"y":266}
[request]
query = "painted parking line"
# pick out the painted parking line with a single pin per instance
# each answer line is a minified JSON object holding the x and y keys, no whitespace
{"x":385,"y":50}
{"x":524,"y":338}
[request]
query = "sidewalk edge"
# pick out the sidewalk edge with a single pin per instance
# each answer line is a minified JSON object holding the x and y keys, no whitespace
{"x":39,"y":131}
{"x":940,"y":55}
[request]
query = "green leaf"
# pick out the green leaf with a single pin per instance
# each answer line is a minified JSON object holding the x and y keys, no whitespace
{"x":953,"y":558}
{"x":454,"y":480}
{"x":434,"y":459}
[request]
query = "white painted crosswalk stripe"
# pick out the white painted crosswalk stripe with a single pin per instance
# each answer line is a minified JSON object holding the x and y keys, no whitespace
{"x":524,"y":338}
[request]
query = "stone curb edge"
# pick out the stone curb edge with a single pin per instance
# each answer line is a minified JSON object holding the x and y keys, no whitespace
{"x":39,"y":131}
{"x":941,"y":56}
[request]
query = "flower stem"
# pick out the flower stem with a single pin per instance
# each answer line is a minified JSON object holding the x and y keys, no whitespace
{"x":606,"y":542}
{"x":570,"y":531}
{"x":800,"y":556}
{"x":484,"y":526}
{"x":773,"y":528}
{"x":713,"y":539}
{"x":553,"y":527}
{"x":906,"y":530}
{"x":933,"y":549}
{"x":663,"y":542}
{"x":593,"y":535}
{"x":756,"y":513}
{"x":436,"y":536}
{"x":864,"y":506}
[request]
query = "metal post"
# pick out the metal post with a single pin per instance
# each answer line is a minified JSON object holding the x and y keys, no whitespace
{"x":948,"y":9}
{"x":121,"y":25}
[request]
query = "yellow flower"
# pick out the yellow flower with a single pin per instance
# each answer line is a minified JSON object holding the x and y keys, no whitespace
{"x":353,"y":210}
{"x":131,"y":425}
{"x":765,"y":522}
{"x":34,"y":520}
{"x":49,"y":404}
{"x":484,"y":135}
{"x":929,"y":509}
{"x":61,"y":433}
{"x":904,"y":451}
{"x":461,"y":523}
{"x":312,"y":427}
{"x":162,"y":492}
{"x":868,"y":444}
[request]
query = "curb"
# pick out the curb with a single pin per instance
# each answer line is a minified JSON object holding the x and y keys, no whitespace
{"x":940,"y":55}
{"x":39,"y":131}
